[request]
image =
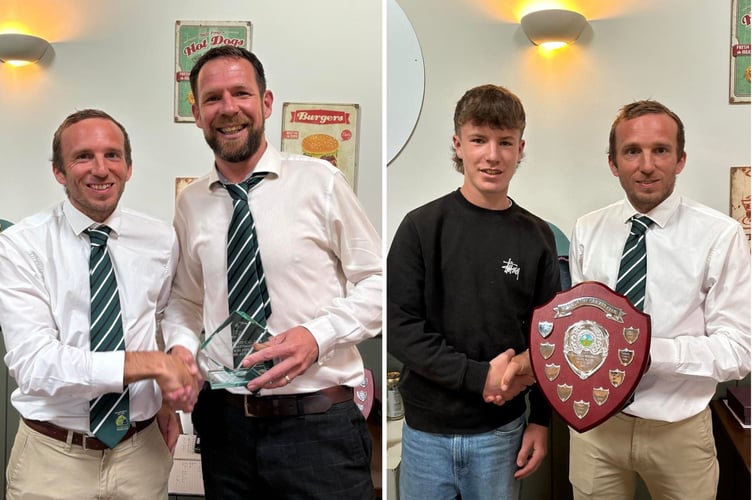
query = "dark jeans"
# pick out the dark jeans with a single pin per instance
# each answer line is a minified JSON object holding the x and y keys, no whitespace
{"x":325,"y":456}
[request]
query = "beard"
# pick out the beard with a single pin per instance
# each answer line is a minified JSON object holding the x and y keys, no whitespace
{"x":236,"y":154}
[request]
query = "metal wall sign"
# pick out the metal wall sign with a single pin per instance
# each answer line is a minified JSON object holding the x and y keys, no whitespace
{"x":192,"y":40}
{"x":740,"y":77}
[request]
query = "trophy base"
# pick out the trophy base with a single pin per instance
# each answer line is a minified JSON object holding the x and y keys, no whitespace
{"x":224,"y":377}
{"x":245,"y":334}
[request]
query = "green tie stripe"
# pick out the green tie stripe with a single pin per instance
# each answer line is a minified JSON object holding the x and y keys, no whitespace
{"x":104,"y":411}
{"x":246,"y":282}
{"x":108,"y":415}
{"x":106,"y":327}
{"x":634,"y":263}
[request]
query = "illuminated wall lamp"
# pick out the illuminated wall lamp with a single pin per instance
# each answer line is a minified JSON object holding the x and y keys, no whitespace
{"x":17,"y":49}
{"x":553,"y":28}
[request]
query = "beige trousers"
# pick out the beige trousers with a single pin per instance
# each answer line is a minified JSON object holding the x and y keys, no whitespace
{"x":676,"y":460}
{"x":43,"y":468}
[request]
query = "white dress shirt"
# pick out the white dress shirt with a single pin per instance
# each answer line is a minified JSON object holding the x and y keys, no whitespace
{"x":697,"y":294}
{"x":320,"y":253}
{"x":44,"y":311}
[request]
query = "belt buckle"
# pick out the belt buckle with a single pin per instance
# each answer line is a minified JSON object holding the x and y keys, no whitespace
{"x":84,"y":440}
{"x":246,"y":410}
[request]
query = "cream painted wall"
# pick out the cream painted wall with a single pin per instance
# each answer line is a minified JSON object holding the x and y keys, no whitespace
{"x":674,"y":51}
{"x":119,"y":55}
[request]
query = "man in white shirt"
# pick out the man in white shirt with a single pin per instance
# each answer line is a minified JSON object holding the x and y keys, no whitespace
{"x":45,"y":315}
{"x":301,"y":436}
{"x":697,"y":293}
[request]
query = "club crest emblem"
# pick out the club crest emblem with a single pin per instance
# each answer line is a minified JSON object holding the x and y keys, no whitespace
{"x":585,"y":347}
{"x":121,"y":421}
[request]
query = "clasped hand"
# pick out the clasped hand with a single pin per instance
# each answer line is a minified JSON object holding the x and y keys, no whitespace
{"x":508,"y":375}
{"x":180,"y":381}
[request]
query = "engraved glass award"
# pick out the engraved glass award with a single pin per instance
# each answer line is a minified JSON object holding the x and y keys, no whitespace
{"x":236,"y":336}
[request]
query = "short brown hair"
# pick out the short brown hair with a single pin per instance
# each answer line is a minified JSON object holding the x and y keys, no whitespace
{"x":491,"y":105}
{"x":642,"y":108}
{"x":228,"y":51}
{"x":78,"y":116}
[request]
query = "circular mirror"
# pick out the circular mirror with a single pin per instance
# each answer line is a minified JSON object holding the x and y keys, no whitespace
{"x":405,"y":79}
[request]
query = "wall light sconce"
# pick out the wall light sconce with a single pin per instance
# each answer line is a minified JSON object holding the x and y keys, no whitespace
{"x":553,"y":28}
{"x":17,"y":49}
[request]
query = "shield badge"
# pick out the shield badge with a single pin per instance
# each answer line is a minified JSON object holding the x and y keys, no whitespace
{"x":545,"y":328}
{"x":592,"y":356}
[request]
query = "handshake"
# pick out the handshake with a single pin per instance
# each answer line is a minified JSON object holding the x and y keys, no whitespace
{"x":181,"y":381}
{"x":508,"y":375}
{"x":177,"y":375}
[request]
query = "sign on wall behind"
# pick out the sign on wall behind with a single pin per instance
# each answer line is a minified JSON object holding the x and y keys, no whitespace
{"x":740,"y":68}
{"x":192,"y":40}
{"x":326,"y":131}
{"x":739,"y":199}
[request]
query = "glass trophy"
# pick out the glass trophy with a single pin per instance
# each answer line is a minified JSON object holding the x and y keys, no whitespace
{"x":237,"y":335}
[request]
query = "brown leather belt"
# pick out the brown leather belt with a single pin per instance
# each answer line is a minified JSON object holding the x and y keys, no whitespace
{"x":289,"y":405}
{"x":88,"y":442}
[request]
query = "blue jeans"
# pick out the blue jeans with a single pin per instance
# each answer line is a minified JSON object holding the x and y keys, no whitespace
{"x":471,"y":467}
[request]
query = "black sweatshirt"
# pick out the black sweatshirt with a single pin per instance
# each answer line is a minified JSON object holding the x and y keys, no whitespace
{"x":462,"y":283}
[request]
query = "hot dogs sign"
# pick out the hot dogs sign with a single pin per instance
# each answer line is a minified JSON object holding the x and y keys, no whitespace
{"x":192,"y":39}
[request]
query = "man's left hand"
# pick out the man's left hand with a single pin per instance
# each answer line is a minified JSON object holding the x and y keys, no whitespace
{"x":169,"y":426}
{"x":295,"y":350}
{"x":533,"y":450}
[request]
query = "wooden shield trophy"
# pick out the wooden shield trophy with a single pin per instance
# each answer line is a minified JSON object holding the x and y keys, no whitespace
{"x":588,"y":348}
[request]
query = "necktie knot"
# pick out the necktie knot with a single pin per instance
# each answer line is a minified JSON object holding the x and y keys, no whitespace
{"x":640,"y":224}
{"x":240,"y":191}
{"x":633,"y":265}
{"x":98,"y":235}
{"x":237,"y":191}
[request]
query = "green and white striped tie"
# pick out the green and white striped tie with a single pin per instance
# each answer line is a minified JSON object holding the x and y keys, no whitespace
{"x":108,"y":415}
{"x":246,"y":282}
{"x":634,"y":263}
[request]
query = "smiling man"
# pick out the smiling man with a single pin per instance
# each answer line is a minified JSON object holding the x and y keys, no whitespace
{"x":465,"y":272}
{"x":83,"y":285}
{"x":697,"y":293}
{"x":313,"y":278}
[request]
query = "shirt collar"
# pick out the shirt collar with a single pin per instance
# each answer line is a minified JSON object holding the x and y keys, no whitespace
{"x":660,"y":214}
{"x":79,"y":222}
{"x":269,"y":163}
